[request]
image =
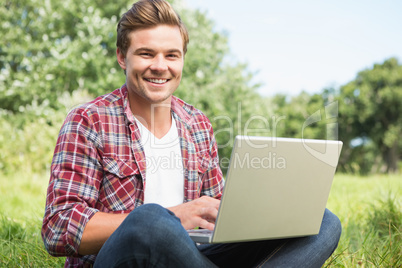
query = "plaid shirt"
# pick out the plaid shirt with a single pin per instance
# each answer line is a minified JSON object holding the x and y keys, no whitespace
{"x":99,"y":165}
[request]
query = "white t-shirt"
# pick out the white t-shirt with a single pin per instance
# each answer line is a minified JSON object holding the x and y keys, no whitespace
{"x":164,"y":178}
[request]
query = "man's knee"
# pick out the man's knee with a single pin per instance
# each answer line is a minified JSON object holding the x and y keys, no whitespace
{"x":148,"y":213}
{"x":331,"y":230}
{"x":150,"y":224}
{"x":332,"y":223}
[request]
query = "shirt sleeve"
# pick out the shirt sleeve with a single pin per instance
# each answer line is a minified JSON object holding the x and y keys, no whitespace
{"x":212,"y":178}
{"x":74,"y":185}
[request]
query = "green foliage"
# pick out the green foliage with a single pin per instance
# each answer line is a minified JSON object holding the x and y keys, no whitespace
{"x":371,"y":111}
{"x":366,"y":114}
{"x":53,"y":50}
{"x":52,"y":47}
{"x":294,"y":112}
{"x":27,"y":140}
{"x":307,"y":116}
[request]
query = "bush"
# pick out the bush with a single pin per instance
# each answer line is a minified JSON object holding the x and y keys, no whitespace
{"x":28,"y":143}
{"x":28,"y":138}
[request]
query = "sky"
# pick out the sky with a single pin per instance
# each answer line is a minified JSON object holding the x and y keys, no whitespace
{"x":309,"y":45}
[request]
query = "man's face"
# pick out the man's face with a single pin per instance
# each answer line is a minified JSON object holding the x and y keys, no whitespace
{"x":153,"y":64}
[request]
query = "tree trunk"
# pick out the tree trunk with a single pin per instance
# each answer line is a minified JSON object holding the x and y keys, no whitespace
{"x":392,"y":158}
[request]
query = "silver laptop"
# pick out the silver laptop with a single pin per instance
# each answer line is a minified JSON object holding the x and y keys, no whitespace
{"x":275,"y":188}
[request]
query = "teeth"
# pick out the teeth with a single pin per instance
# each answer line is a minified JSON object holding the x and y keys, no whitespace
{"x":157,"y":81}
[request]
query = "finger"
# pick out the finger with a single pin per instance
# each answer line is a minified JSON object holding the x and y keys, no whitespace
{"x":209,"y":212}
{"x":207,"y":201}
{"x":207,"y":225}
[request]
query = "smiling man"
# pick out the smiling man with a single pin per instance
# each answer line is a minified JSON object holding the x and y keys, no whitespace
{"x":116,"y":198}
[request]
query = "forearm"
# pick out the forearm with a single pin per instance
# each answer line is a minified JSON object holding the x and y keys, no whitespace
{"x":98,"y":230}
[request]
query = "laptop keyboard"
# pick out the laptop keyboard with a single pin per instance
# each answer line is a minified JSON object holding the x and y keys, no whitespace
{"x":200,"y":232}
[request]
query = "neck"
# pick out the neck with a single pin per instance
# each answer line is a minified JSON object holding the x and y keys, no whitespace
{"x":156,"y":118}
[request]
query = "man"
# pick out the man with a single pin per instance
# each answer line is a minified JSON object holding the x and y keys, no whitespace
{"x":110,"y":201}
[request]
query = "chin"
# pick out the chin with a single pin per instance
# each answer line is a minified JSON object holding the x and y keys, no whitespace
{"x":159,"y":99}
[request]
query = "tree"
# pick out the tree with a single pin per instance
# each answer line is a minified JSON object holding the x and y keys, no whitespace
{"x":371,"y":113}
{"x":52,"y":49}
{"x":307,"y":116}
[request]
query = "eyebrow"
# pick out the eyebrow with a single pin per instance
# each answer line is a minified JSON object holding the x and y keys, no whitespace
{"x":145,"y":49}
{"x":175,"y":51}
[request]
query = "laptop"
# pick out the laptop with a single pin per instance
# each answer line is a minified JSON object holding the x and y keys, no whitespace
{"x":275,"y":188}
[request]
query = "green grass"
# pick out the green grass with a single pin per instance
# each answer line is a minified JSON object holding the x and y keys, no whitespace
{"x":370,"y":211}
{"x":22,"y":201}
{"x":368,"y":207}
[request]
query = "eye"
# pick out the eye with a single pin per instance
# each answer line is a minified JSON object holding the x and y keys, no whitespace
{"x":174,"y":56}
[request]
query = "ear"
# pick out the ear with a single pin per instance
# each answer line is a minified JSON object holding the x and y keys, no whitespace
{"x":121,"y":59}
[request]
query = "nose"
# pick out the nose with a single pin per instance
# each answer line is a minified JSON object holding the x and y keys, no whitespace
{"x":159,"y":64}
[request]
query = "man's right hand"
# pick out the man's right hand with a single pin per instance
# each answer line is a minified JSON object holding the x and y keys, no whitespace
{"x":201,"y":212}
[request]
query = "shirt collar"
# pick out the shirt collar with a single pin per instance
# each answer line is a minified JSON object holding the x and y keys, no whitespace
{"x":177,"y":107}
{"x":126,"y":105}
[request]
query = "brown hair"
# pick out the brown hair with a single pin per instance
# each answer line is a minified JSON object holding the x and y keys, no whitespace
{"x":147,"y":14}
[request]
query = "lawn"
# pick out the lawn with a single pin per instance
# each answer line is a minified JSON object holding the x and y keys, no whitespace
{"x":369,"y":209}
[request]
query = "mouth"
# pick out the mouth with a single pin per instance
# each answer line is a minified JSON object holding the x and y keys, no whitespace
{"x":156,"y":80}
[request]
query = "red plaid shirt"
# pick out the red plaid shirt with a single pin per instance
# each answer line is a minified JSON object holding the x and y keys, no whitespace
{"x":99,"y":165}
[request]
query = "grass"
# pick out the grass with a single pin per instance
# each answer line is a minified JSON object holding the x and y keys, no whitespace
{"x":21,"y":246}
{"x":370,"y":211}
{"x":22,"y":201}
{"x":368,"y":207}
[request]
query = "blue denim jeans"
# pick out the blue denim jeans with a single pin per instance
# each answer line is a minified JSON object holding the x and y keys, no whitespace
{"x":152,"y":236}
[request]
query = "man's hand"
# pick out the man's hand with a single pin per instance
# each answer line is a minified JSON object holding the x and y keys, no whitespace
{"x":201,"y":212}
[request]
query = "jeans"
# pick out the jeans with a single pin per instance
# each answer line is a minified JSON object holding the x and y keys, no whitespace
{"x":152,"y":236}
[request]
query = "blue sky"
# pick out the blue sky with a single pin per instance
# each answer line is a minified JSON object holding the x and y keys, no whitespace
{"x":295,"y":45}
